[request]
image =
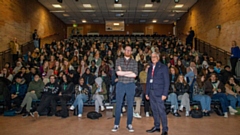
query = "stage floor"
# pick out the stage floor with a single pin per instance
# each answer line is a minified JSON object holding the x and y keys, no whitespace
{"x":213,"y":125}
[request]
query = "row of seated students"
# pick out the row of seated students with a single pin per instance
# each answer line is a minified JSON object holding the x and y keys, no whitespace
{"x":86,"y":62}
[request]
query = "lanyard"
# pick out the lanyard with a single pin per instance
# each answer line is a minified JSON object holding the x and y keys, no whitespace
{"x":64,"y":87}
{"x":153,"y":72}
{"x":17,"y":86}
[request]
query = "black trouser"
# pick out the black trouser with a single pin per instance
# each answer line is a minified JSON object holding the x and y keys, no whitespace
{"x":44,"y":103}
{"x":234,"y":64}
{"x":146,"y":104}
{"x":63,"y":99}
{"x":17,"y":101}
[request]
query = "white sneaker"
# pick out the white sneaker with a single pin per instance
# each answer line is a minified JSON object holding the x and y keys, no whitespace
{"x":187,"y":114}
{"x":102,"y":108}
{"x":181,"y":108}
{"x":121,"y":114}
{"x":231,"y":110}
{"x":134,"y":114}
{"x":232,"y":113}
{"x":72,"y":108}
{"x":115,"y":128}
{"x":79,"y":115}
{"x":147,"y":114}
{"x":130,"y":128}
{"x":138,"y":116}
{"x":225,"y":115}
{"x":123,"y":109}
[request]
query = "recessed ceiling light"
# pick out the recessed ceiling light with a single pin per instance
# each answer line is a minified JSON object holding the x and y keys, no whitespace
{"x":178,"y":5}
{"x":87,"y":5}
{"x":148,"y":5}
{"x":65,"y":14}
{"x":115,"y":24}
{"x":117,"y":5}
{"x":149,"y":10}
{"x":87,"y":10}
{"x":56,"y":5}
{"x":84,"y":21}
{"x":120,"y":11}
{"x":166,"y":21}
{"x":57,"y":11}
{"x":154,"y":21}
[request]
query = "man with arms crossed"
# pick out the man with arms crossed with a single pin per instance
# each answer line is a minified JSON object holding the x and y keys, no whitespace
{"x":157,"y":92}
{"x":127,"y":71}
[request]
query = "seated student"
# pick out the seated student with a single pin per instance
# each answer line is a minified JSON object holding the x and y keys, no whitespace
{"x":81,"y":93}
{"x":218,"y":67}
{"x":49,"y":92}
{"x":226,"y":73}
{"x":216,"y":90}
{"x":199,"y":95}
{"x":106,"y":79}
{"x":88,"y":78}
{"x":182,"y":91}
{"x":18,"y":91}
{"x":232,"y":90}
{"x":65,"y":94}
{"x":23,"y":73}
{"x":172,"y":97}
{"x":191,"y":72}
{"x":138,"y":100}
{"x":99,"y":92}
{"x":34,"y":92}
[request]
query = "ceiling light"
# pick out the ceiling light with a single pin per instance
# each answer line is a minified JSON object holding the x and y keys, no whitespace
{"x":87,"y":10}
{"x":117,"y":5}
{"x":178,"y":5}
{"x":115,"y":24}
{"x":176,"y":1}
{"x":149,"y":10}
{"x":87,"y":5}
{"x":148,"y":5}
{"x":84,"y":21}
{"x":56,"y":5}
{"x":120,"y":11}
{"x":57,"y":11}
{"x":65,"y":14}
{"x":166,"y":21}
{"x":154,"y":21}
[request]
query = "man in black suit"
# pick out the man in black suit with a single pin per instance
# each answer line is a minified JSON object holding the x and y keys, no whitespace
{"x":157,"y":91}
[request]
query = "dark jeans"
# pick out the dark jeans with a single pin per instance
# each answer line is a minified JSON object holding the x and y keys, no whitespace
{"x":121,"y":90}
{"x":17,"y":101}
{"x":44,"y":103}
{"x":63,"y":99}
{"x":222,"y":97}
{"x":234,"y":64}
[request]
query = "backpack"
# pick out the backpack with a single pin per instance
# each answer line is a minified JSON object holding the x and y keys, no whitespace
{"x":9,"y":113}
{"x":94,"y":115}
{"x":196,"y":113}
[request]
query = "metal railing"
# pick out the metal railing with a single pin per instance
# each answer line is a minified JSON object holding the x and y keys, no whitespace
{"x":213,"y":51}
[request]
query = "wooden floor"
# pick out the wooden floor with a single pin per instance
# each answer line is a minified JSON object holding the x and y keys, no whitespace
{"x":213,"y":125}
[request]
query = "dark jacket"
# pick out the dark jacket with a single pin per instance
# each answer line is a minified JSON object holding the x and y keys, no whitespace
{"x":67,"y":89}
{"x":51,"y":89}
{"x":209,"y":88}
{"x":22,"y":89}
{"x":138,"y":90}
{"x":161,"y":82}
{"x":181,"y":88}
{"x":88,"y":78}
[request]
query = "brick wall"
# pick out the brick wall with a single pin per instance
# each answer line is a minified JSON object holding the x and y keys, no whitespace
{"x":19,"y":18}
{"x":205,"y":15}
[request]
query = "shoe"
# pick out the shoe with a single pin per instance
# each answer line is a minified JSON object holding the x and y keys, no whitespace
{"x":181,"y":108}
{"x":231,"y":113}
{"x":134,"y":115}
{"x":154,"y":129}
{"x":26,"y":115}
{"x":102,"y":108}
{"x":115,"y":128}
{"x":121,"y":114}
{"x":35,"y":114}
{"x":231,"y":110}
{"x":147,"y":114}
{"x":137,"y":116}
{"x":187,"y":114}
{"x":207,"y":114}
{"x":176,"y":114}
{"x":123,"y":109}
{"x":164,"y":133}
{"x":72,"y":108}
{"x":225,"y":115}
{"x":130,"y":128}
{"x":19,"y":111}
{"x":204,"y":113}
{"x":79,"y":115}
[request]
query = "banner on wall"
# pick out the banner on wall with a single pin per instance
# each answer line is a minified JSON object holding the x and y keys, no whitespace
{"x":74,"y":31}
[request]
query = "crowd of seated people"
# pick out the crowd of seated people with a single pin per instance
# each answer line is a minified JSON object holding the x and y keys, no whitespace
{"x":84,"y":70}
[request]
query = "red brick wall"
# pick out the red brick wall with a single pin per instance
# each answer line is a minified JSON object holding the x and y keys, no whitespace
{"x":205,"y":15}
{"x":19,"y":18}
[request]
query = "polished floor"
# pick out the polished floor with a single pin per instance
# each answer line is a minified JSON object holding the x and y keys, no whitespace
{"x":213,"y":125}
